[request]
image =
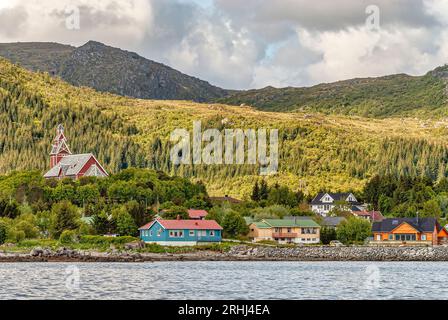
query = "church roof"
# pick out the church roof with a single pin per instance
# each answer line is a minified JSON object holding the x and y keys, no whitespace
{"x":70,"y":165}
{"x":60,"y":146}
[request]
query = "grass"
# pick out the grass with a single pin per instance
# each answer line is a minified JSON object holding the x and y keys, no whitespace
{"x":106,"y":243}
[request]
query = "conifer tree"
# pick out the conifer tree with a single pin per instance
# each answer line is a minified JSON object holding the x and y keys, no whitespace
{"x":255,"y":192}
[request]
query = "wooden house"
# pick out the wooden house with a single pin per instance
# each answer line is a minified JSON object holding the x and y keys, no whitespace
{"x":411,"y":231}
{"x":181,"y":232}
{"x":285,"y":231}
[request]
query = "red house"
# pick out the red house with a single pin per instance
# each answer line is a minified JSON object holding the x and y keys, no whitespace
{"x":64,"y":164}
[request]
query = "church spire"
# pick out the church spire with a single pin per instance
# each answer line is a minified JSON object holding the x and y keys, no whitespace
{"x":60,"y":148}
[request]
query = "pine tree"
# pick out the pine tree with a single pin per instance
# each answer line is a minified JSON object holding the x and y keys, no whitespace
{"x":256,"y":192}
{"x":264,"y":190}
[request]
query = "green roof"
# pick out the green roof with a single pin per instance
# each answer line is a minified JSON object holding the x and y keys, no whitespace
{"x":291,"y":223}
{"x":262,"y":225}
{"x":248,"y":220}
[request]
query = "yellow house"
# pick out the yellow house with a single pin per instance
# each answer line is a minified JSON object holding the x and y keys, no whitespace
{"x":285,"y":231}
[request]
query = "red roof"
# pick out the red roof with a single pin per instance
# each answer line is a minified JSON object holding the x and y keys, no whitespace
{"x":194,"y":214}
{"x":185,"y":224}
{"x":146,"y":226}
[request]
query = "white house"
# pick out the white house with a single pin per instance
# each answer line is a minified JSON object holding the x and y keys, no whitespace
{"x":323,"y":203}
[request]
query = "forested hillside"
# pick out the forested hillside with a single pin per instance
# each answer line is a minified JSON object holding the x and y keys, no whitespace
{"x":395,"y":95}
{"x":316,"y":151}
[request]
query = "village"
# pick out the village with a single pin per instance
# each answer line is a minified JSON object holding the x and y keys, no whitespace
{"x":325,"y":215}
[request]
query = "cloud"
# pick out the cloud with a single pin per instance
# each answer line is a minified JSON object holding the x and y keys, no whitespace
{"x":253,"y":43}
{"x":12,"y":21}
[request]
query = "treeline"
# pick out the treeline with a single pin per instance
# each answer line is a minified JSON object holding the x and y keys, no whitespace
{"x":406,"y":196}
{"x":33,"y":207}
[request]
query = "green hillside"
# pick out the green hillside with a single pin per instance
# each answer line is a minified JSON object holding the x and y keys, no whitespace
{"x":396,"y":95}
{"x":316,"y":151}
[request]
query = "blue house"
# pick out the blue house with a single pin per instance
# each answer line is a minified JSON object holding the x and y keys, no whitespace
{"x":181,"y":232}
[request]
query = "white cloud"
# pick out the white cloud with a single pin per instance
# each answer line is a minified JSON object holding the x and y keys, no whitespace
{"x":253,"y":43}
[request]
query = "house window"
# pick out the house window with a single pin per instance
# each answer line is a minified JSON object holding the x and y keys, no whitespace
{"x":191,"y":233}
{"x":308,"y":230}
{"x":391,"y":237}
{"x":212,"y":233}
{"x":423,"y":237}
{"x":289,"y":230}
{"x":176,"y":234}
{"x":159,"y":232}
{"x":150,"y":233}
{"x":405,"y":237}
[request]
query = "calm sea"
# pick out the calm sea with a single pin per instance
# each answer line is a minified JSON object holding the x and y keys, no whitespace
{"x":225,"y":280}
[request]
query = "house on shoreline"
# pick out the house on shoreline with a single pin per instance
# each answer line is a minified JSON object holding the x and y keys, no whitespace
{"x":408,"y":231}
{"x":181,"y":232}
{"x":284,"y":231}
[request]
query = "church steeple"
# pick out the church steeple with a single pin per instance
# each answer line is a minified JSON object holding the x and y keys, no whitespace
{"x":60,"y":148}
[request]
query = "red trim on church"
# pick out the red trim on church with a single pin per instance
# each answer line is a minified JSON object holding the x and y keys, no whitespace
{"x":65,"y":164}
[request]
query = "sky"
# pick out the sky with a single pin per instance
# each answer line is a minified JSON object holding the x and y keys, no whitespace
{"x":249,"y":44}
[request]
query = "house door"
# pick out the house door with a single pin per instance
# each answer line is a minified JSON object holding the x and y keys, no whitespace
{"x":378,"y":237}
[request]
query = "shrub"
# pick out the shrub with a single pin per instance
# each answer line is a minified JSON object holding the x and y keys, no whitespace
{"x":3,"y":233}
{"x":124,"y":222}
{"x":65,"y":214}
{"x":15,"y":235}
{"x":68,"y":236}
{"x":353,"y":230}
{"x":234,"y":224}
{"x":30,"y":230}
{"x":327,"y":235}
{"x":101,"y":240}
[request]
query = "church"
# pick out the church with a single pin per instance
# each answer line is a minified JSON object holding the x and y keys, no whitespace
{"x":64,"y":164}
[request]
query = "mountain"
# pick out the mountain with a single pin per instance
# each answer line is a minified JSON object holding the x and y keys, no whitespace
{"x":395,"y":95}
{"x":109,"y":69}
{"x":113,"y":70}
{"x":331,"y":152}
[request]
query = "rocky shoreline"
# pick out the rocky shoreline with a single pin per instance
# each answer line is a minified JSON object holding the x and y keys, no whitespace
{"x":239,"y":253}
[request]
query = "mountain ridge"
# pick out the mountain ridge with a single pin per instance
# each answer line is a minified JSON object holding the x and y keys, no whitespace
{"x":109,"y":69}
